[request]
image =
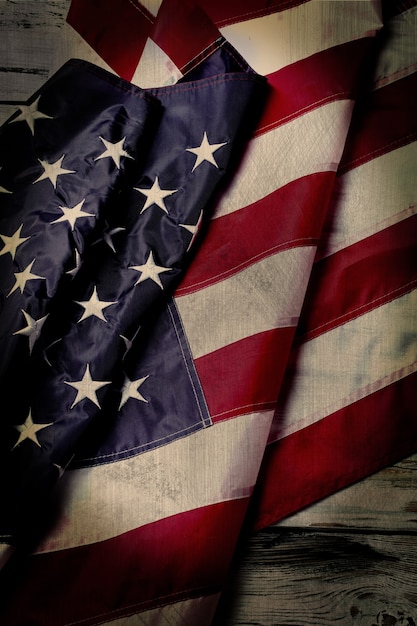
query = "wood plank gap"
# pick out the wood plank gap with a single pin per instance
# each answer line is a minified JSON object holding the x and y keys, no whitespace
{"x":346,"y":530}
{"x":25,"y":70}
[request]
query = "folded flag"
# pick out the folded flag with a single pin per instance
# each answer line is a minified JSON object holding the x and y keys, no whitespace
{"x":347,"y":405}
{"x":104,"y":187}
{"x":144,"y":528}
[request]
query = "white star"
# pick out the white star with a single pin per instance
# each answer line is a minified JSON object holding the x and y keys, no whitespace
{"x":72,"y":214}
{"x":130,"y":389}
{"x":94,"y":306}
{"x":107,"y":236}
{"x":155,"y":195}
{"x":128,"y":342}
{"x":30,"y":113}
{"x":12,"y":243}
{"x":28,"y":430}
{"x":193,"y":229}
{"x":52,"y":171}
{"x":23,"y":277}
{"x":150,"y":270}
{"x":114,"y":150}
{"x":32,"y":330}
{"x":87,"y":388}
{"x":75,"y":269}
{"x":205,"y":151}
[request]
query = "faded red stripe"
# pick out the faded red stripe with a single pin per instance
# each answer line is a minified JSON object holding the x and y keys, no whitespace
{"x":277,"y":222}
{"x":391,"y":109}
{"x":320,"y":78}
{"x":116,"y":30}
{"x":360,"y":278}
{"x":182,"y":556}
{"x":245,"y":376}
{"x":194,"y":32}
{"x":337,"y":451}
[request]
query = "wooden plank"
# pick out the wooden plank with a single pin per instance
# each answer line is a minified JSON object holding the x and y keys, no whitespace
{"x":6,"y":111}
{"x":386,"y":500}
{"x":289,"y":578}
{"x":30,"y":33}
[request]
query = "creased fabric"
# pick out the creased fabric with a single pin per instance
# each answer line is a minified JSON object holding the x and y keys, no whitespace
{"x":294,"y":315}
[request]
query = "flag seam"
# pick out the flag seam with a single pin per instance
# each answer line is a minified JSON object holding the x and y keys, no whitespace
{"x":260,"y":12}
{"x":356,"y":312}
{"x":240,"y":267}
{"x":342,"y":95}
{"x":369,"y":156}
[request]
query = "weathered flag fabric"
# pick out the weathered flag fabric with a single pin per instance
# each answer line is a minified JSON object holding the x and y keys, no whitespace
{"x":347,"y":405}
{"x":104,"y":188}
{"x":143,"y":523}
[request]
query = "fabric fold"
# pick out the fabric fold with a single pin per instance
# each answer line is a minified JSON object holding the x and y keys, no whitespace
{"x":108,"y":187}
{"x":145,"y":521}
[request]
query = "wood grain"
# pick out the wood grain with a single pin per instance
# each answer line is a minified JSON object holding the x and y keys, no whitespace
{"x":30,"y":31}
{"x":295,"y":578}
{"x":348,"y":560}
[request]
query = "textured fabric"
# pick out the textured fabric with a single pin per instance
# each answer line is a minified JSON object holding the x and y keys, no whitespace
{"x":301,"y":289}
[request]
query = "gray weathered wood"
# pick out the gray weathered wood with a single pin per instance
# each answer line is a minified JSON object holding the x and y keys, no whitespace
{"x":6,"y":111}
{"x":348,"y":560}
{"x":30,"y":31}
{"x":296,"y":578}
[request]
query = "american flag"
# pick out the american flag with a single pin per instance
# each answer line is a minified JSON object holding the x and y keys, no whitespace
{"x":144,"y":527}
{"x":347,"y":400}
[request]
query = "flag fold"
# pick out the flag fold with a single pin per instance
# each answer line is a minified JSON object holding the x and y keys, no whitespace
{"x":105,"y":187}
{"x":208,"y":293}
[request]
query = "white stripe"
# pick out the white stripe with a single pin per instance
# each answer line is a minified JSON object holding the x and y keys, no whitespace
{"x":399,"y":57}
{"x":349,"y":363}
{"x":373,"y":197}
{"x":309,"y":144}
{"x":155,"y":68}
{"x":185,"y":613}
{"x":151,"y":5}
{"x":274,"y":41}
{"x":216,"y":464}
{"x":266,"y":295}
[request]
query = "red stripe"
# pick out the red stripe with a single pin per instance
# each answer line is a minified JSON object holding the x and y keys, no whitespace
{"x":392,"y":110}
{"x":245,"y":376}
{"x":295,"y":89}
{"x":337,"y":451}
{"x":116,"y":30}
{"x":277,"y":222}
{"x":228,"y":12}
{"x":360,"y":278}
{"x":194,"y":32}
{"x":183,"y":556}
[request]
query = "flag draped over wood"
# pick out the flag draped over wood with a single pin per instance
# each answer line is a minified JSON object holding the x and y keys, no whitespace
{"x":346,"y":407}
{"x":300,"y":287}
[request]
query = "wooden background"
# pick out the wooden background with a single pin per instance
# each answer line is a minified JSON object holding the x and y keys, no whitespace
{"x":348,"y":560}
